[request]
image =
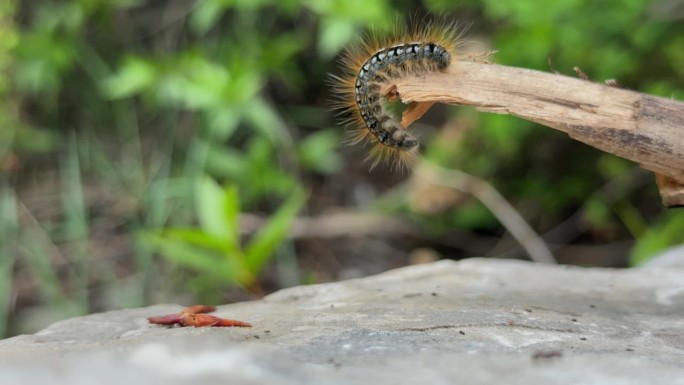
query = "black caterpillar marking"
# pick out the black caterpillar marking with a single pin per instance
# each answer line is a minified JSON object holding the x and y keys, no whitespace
{"x":412,"y":58}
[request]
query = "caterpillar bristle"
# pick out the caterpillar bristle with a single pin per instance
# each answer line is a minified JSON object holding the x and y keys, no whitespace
{"x":398,"y":160}
{"x":414,"y":49}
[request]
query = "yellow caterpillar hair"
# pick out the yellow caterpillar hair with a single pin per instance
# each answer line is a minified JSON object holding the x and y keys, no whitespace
{"x":416,"y":50}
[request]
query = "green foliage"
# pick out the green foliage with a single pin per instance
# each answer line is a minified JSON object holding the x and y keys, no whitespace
{"x":9,"y":229}
{"x":667,"y":232}
{"x":118,"y":105}
{"x":15,"y":133}
{"x":316,"y":152}
{"x":163,"y":103}
{"x":341,"y":19}
{"x":214,"y":249}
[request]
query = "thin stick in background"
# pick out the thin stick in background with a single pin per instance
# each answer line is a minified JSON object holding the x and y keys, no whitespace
{"x":495,"y":202}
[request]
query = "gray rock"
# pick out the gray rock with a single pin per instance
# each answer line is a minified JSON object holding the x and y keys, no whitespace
{"x":671,"y":257}
{"x":476,"y":322}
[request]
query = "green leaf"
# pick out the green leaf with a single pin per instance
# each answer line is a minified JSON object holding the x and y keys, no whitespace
{"x":226,"y":162}
{"x":264,"y":174}
{"x":36,"y":140}
{"x":206,"y":14}
{"x":222,"y":122}
{"x":317,"y":152}
{"x":218,"y":210}
{"x":334,"y":35}
{"x":473,"y":215}
{"x":42,"y":60}
{"x":135,"y":75}
{"x":263,"y":244}
{"x":668,"y":232}
{"x":264,"y":120}
{"x":196,"y":237}
{"x":597,"y":213}
{"x":8,"y":238}
{"x":198,"y":258}
{"x":280,"y":51}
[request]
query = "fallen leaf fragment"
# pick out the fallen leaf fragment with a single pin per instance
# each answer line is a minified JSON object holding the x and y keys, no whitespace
{"x":194,"y":316}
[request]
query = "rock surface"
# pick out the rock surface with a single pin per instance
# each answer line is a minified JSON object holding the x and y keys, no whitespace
{"x":476,"y":321}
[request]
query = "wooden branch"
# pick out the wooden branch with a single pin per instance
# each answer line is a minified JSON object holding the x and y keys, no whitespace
{"x":646,"y":129}
{"x":333,"y":225}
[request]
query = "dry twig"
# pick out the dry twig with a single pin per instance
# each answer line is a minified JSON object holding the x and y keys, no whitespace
{"x":497,"y":204}
{"x":645,"y":129}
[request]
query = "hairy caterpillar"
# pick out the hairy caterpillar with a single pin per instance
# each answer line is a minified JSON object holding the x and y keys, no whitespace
{"x":378,"y":60}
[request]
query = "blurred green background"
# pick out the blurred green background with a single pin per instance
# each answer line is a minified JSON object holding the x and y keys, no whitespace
{"x":159,"y":151}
